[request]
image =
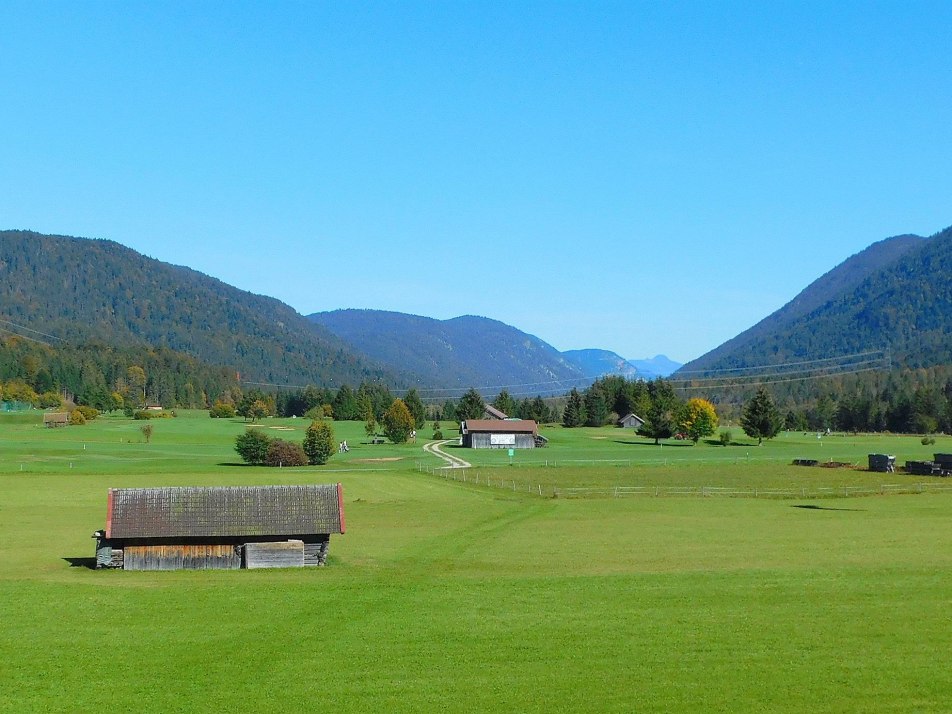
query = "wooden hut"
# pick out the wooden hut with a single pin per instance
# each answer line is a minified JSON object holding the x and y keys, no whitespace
{"x":500,"y":434}
{"x":52,"y":420}
{"x":219,"y":527}
{"x":631,"y":421}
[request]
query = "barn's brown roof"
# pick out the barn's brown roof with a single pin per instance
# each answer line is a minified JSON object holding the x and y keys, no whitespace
{"x":225,"y":511}
{"x":501,"y":426}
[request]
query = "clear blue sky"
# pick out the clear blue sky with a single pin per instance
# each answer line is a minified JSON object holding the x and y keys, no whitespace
{"x":642,"y":177}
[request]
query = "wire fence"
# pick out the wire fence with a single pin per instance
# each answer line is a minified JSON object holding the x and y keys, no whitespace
{"x":476,"y":478}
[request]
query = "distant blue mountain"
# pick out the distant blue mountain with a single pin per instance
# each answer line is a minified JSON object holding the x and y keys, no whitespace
{"x":657,"y":366}
{"x":598,"y":363}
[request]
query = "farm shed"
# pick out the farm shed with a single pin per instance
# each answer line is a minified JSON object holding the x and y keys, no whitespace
{"x":55,"y":419}
{"x":631,"y":421}
{"x":490,"y":412}
{"x":501,"y":434}
{"x":221,"y":527}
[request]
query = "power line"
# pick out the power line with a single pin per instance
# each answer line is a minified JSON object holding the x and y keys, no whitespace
{"x":778,"y":381}
{"x":783,"y":364}
{"x":30,"y":329}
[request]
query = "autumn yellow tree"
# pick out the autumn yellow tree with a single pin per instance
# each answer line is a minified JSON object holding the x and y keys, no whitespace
{"x":698,"y":419}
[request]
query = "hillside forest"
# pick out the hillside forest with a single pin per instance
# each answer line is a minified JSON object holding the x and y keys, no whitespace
{"x":107,"y":378}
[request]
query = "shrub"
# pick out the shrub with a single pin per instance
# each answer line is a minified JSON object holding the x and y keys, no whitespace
{"x":146,"y":430}
{"x":285,"y":453}
{"x":926,"y":440}
{"x":89,"y":413}
{"x":437,"y":434}
{"x":152,"y":414}
{"x":252,"y":446}
{"x":76,"y":418}
{"x":222,"y":410}
{"x":726,"y":438}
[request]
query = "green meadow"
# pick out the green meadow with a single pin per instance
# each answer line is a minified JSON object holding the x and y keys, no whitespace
{"x":444,"y":595}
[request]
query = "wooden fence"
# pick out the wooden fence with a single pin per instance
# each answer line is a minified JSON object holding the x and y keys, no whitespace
{"x":475,"y":478}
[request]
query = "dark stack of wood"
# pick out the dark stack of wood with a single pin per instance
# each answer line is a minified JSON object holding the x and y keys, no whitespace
{"x":882,"y":463}
{"x":925,"y":468}
{"x":944,"y":461}
{"x":805,"y":462}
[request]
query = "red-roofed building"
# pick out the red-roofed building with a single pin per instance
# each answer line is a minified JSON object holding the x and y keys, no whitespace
{"x":501,"y":434}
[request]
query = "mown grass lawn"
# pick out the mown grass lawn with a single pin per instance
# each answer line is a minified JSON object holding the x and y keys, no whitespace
{"x":441,"y":596}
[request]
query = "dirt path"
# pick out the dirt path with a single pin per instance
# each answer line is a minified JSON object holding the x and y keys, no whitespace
{"x":454,"y":462}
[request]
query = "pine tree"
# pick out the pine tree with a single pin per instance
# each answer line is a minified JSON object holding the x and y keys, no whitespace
{"x":471,"y":406}
{"x":415,"y":405}
{"x":761,"y":418}
{"x":574,"y":413}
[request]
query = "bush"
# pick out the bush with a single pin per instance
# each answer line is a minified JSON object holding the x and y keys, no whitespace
{"x":222,"y":410}
{"x":437,"y":434}
{"x":726,"y":438}
{"x":926,"y":440}
{"x":285,"y":453}
{"x":76,"y":417}
{"x":152,"y":414}
{"x":88,"y":412}
{"x":252,"y":446}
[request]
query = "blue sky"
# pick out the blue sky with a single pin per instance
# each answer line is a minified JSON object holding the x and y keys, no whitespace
{"x":642,"y":177}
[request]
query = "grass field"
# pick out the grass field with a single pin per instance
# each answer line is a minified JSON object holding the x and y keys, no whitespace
{"x":444,"y":596}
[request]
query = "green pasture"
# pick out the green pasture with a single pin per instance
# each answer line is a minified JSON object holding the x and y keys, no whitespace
{"x":442,"y":596}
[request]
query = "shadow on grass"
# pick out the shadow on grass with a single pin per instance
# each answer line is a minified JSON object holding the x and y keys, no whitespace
{"x":236,"y":463}
{"x":672,"y":444}
{"x":812,"y":507}
{"x":81,"y":563}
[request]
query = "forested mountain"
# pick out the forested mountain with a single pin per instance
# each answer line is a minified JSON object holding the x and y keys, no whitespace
{"x":596,"y":363}
{"x":895,"y":294}
{"x":462,"y":352}
{"x":81,"y":291}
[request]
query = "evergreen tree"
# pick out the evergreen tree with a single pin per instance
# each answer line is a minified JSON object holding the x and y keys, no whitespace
{"x":761,"y":418}
{"x":345,"y":405}
{"x":319,"y":442}
{"x":596,"y":407}
{"x":505,"y":403}
{"x":415,"y":405}
{"x":574,"y":413}
{"x":660,"y":417}
{"x":471,"y":406}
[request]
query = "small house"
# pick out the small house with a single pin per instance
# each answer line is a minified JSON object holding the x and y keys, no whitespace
{"x":51,"y":420}
{"x":631,"y":421}
{"x":501,"y":434}
{"x":196,"y":528}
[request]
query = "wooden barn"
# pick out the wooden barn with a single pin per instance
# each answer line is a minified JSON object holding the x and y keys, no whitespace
{"x":221,"y":527}
{"x":501,"y":434}
{"x":55,"y":419}
{"x":631,"y":421}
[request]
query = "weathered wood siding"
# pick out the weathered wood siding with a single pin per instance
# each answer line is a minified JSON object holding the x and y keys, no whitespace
{"x":178,"y":557}
{"x":484,"y":441}
{"x":316,"y":553}
{"x":282,"y":554}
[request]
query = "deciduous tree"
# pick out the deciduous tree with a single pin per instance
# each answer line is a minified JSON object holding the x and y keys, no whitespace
{"x":319,"y":442}
{"x":398,"y":422}
{"x":698,"y":419}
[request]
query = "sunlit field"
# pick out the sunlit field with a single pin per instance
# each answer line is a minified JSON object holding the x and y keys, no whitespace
{"x":445,"y":595}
